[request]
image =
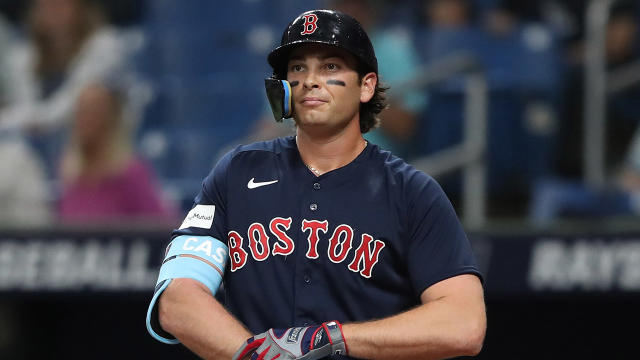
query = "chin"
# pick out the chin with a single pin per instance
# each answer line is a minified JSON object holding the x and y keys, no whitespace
{"x":311,"y":118}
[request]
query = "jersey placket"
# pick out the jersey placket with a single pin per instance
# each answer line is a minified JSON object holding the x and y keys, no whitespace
{"x":314,"y":228}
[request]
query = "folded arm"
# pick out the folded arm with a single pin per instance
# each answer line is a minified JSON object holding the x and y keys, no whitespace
{"x":450,"y":322}
{"x":189,"y":312}
{"x":184,"y":309}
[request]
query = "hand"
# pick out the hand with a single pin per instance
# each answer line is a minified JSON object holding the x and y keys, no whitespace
{"x":307,"y":343}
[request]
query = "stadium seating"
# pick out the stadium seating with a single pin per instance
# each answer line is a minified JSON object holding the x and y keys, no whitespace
{"x":522,"y":70}
{"x":206,"y":64}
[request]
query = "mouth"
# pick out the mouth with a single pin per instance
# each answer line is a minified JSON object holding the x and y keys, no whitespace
{"x":312,"y":101}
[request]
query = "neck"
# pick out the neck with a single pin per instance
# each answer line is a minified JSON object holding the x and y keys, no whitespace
{"x":327,"y":153}
{"x":99,"y":161}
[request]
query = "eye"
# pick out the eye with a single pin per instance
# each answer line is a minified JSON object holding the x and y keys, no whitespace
{"x":296,"y":67}
{"x":332,"y":66}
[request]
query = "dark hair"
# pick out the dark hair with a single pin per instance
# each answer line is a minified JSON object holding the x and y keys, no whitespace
{"x":369,"y":111}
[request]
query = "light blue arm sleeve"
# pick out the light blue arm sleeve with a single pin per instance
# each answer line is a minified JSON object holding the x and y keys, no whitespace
{"x":202,"y":258}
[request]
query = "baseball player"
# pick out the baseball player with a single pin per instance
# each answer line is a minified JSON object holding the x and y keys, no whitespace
{"x":328,"y":246}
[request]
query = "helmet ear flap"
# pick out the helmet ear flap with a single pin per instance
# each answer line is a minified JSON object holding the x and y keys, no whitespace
{"x":279,"y":95}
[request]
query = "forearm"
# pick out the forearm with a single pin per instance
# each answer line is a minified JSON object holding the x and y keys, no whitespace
{"x":192,"y":315}
{"x":436,"y":330}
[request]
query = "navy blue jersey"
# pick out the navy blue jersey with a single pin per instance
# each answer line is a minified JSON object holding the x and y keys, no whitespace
{"x":357,"y":243}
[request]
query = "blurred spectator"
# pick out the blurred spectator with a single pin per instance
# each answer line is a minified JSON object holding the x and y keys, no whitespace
{"x":448,"y":13}
{"x":566,"y":195}
{"x":103,"y":179}
{"x":24,"y":192}
{"x":521,"y":63}
{"x":398,"y":62}
{"x":5,"y":35}
{"x":529,"y":49}
{"x":447,"y":28}
{"x":622,"y":107}
{"x":523,"y":57}
{"x":68,"y":44}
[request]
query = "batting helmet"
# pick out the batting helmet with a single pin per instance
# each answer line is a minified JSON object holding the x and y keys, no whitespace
{"x":324,"y":27}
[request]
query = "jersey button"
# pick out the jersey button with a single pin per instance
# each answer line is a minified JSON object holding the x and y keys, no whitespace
{"x":316,"y":186}
{"x":307,"y":279}
{"x":313,"y":207}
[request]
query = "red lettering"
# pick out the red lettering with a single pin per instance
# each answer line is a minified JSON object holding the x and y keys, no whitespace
{"x":314,"y":226}
{"x":366,"y":256}
{"x":237,"y":255}
{"x":309,"y":24}
{"x":346,"y":232}
{"x":275,"y":226}
{"x":259,"y":253}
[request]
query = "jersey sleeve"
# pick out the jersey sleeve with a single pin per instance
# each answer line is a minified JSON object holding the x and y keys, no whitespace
{"x":207,"y":217}
{"x":438,"y":248}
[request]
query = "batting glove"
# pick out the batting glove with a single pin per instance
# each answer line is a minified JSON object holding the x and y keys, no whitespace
{"x":306,"y":343}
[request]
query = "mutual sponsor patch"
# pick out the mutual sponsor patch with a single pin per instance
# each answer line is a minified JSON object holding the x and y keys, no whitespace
{"x":201,"y":216}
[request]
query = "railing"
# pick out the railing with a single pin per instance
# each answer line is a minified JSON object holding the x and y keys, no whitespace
{"x":595,"y":79}
{"x":598,"y":83}
{"x":470,"y":154}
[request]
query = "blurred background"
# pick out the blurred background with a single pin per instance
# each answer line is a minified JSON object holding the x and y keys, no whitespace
{"x":113,"y":111}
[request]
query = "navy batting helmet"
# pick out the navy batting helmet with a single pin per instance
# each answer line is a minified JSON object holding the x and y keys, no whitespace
{"x":316,"y":26}
{"x":325,"y":27}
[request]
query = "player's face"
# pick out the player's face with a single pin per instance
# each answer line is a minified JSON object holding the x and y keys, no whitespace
{"x":325,"y":86}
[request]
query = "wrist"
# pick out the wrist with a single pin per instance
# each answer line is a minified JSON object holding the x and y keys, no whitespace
{"x":361,"y":345}
{"x":336,"y":336}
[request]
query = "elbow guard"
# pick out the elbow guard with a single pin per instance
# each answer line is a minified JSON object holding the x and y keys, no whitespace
{"x":201,"y":258}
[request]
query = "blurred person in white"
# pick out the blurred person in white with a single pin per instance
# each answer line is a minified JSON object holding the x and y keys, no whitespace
{"x":69,"y":43}
{"x":5,"y":38}
{"x":103,"y":179}
{"x":24,"y":193}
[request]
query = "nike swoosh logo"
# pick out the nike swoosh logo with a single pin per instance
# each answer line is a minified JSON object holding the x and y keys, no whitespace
{"x":253,"y":185}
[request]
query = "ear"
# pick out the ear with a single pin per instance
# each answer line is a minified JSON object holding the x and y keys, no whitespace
{"x":368,"y":87}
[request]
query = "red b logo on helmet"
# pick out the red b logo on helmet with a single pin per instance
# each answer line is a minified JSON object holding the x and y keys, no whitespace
{"x":309,"y":24}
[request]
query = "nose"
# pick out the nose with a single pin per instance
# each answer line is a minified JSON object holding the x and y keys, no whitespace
{"x":311,"y":80}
